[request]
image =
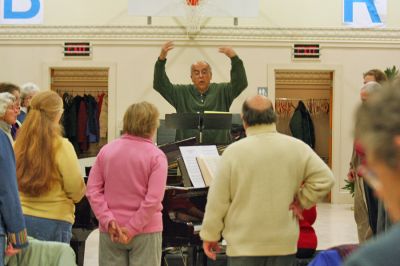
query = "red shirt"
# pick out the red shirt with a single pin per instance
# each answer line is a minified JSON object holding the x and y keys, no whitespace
{"x":307,"y":237}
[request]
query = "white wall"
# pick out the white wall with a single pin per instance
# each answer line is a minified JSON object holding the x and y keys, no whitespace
{"x":273,"y":13}
{"x":130,"y":48}
{"x":132,"y":74}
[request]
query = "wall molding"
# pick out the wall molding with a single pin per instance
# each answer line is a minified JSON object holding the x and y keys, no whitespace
{"x":290,"y":79}
{"x":259,"y":36}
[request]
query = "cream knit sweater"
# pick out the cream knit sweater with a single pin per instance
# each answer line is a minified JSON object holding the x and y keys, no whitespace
{"x":248,"y":201}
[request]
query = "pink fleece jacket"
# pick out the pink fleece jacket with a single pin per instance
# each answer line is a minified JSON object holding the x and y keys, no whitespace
{"x":127,"y":184}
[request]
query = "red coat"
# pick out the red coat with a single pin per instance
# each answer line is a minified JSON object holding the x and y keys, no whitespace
{"x":307,"y":237}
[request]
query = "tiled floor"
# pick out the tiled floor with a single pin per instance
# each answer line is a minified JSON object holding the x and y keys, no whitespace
{"x":334,"y":226}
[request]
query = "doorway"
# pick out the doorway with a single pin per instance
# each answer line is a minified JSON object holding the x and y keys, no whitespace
{"x":85,"y":94}
{"x":315,"y":89}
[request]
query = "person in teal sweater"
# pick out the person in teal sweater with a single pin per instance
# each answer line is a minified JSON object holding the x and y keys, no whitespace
{"x":202,"y":95}
{"x":378,"y":130}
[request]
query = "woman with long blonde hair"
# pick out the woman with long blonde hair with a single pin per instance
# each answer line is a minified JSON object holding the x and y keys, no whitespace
{"x":49,"y":177}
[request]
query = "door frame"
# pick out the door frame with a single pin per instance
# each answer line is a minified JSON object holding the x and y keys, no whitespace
{"x":338,"y":194}
{"x":112,"y":128}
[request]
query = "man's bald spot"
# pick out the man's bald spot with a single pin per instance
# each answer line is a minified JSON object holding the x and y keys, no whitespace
{"x":259,"y":103}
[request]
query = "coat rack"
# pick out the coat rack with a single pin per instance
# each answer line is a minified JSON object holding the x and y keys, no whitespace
{"x":285,"y":106}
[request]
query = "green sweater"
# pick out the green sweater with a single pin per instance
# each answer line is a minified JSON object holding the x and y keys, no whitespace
{"x":185,"y":98}
{"x":258,"y":177}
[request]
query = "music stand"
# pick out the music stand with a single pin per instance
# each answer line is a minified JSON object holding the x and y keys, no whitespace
{"x":217,"y":121}
{"x":199,"y":121}
{"x":183,"y":120}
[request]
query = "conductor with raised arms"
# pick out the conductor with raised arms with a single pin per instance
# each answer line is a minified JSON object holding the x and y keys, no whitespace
{"x":202,"y":95}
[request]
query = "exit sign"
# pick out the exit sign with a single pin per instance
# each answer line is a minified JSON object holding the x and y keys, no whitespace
{"x":306,"y":51}
{"x":77,"y":49}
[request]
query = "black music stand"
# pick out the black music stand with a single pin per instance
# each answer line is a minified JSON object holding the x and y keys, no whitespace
{"x":199,"y":121}
{"x":183,"y":120}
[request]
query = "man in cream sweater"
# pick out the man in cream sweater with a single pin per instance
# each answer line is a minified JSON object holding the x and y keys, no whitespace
{"x":263,"y":182}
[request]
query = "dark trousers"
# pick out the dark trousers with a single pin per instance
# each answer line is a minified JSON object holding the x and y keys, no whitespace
{"x":288,"y":260}
{"x":305,"y":253}
{"x":372,"y":206}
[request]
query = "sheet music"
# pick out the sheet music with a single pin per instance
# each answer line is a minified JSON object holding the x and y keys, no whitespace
{"x":208,"y":167}
{"x":213,"y":164}
{"x":189,"y":155}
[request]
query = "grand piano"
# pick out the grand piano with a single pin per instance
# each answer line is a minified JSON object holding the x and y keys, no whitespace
{"x":183,"y":207}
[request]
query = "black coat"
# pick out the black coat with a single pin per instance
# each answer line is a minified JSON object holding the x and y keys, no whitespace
{"x":301,"y":125}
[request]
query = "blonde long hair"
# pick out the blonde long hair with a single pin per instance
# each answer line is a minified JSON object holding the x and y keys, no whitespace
{"x":37,"y":143}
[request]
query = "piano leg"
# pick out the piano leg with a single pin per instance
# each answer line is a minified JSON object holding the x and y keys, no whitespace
{"x":79,"y":249}
{"x":205,"y":258}
{"x":200,"y":257}
{"x":192,"y":255}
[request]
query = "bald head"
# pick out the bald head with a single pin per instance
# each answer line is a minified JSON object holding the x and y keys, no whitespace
{"x":259,"y":102}
{"x":200,"y":63}
{"x":258,"y":110}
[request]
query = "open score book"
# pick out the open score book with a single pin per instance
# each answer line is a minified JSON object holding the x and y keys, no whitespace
{"x":201,"y":163}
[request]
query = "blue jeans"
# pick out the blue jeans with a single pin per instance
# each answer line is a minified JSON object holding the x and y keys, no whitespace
{"x":2,"y":249}
{"x":48,"y":229}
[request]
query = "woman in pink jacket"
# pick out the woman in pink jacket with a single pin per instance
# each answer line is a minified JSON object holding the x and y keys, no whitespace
{"x":125,"y":189}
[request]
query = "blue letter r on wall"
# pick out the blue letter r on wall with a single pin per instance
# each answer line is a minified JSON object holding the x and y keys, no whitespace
{"x":10,"y":14}
{"x":348,"y":10}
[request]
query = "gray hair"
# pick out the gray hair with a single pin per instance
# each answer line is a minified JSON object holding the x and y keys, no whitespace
{"x":200,"y":61}
{"x":378,"y":122}
{"x":254,"y":117}
{"x":6,"y":99}
{"x":28,"y":89}
{"x":371,"y":86}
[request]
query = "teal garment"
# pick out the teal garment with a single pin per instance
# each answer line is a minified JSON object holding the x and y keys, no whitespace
{"x":185,"y":98}
{"x":382,"y":250}
{"x":43,"y":253}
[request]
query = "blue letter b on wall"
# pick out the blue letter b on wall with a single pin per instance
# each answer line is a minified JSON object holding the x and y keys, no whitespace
{"x":372,"y":11}
{"x":10,"y":14}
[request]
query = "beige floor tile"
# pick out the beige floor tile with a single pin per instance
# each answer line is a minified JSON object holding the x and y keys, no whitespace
{"x":334,"y":226}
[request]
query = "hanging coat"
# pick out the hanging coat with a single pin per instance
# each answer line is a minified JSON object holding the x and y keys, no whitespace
{"x":301,"y":125}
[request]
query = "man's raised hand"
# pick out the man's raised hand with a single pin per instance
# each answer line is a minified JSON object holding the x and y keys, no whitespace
{"x":165,"y":49}
{"x":228,"y":51}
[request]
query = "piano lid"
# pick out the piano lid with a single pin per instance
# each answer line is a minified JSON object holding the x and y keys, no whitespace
{"x":172,"y":151}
